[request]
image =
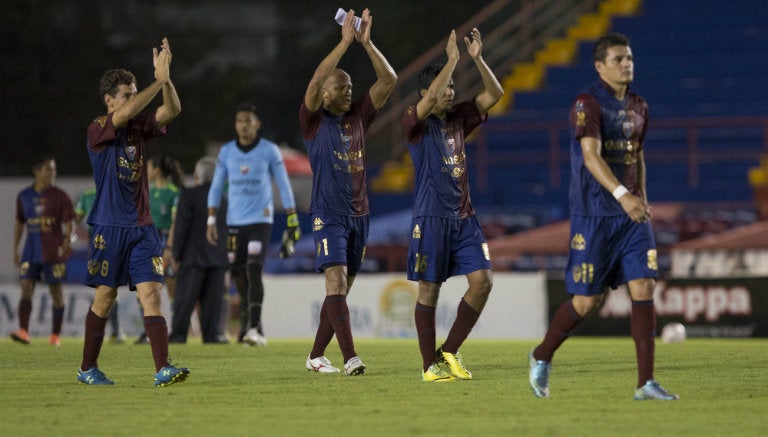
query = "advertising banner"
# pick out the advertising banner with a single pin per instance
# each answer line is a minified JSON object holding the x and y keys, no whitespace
{"x":725,"y":307}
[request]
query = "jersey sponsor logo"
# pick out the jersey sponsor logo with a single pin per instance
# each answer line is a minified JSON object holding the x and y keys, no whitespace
{"x":578,"y":242}
{"x":317,"y":224}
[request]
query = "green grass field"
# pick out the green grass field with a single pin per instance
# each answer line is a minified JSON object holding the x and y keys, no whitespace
{"x":238,"y":391}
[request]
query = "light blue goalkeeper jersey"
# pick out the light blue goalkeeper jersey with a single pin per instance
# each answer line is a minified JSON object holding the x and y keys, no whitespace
{"x":248,"y":177}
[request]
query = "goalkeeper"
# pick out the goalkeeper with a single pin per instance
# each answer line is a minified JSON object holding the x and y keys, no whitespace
{"x":247,"y":166}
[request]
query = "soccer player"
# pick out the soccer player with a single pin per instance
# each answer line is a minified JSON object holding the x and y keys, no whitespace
{"x":611,"y":238}
{"x":125,"y":247}
{"x":333,"y":128}
{"x":47,"y":213}
{"x":247,"y":165}
{"x":82,"y":209}
{"x":164,"y":183}
{"x":446,"y":238}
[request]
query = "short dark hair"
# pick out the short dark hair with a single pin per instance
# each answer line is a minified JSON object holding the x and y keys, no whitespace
{"x":39,"y":161}
{"x":600,"y":50}
{"x":112,"y":78}
{"x":246,"y":107}
{"x":427,"y":76}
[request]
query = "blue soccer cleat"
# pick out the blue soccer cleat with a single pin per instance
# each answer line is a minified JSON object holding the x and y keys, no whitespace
{"x":538,"y":376}
{"x":170,"y":375}
{"x":653,"y":391}
{"x":93,"y":376}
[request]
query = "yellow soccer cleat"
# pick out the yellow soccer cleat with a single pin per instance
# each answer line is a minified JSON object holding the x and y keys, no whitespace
{"x":454,"y":364}
{"x":436,"y":374}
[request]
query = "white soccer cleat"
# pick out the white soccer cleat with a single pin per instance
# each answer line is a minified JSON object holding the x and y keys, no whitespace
{"x":321,"y":365}
{"x":354,"y":366}
{"x":253,"y":338}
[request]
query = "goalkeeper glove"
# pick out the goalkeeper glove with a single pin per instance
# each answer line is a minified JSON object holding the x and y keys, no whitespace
{"x":291,"y":235}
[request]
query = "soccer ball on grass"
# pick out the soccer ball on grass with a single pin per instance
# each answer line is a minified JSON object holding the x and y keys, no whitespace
{"x":673,"y":333}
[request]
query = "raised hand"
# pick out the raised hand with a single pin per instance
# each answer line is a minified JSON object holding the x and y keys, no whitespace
{"x":451,"y":49}
{"x":348,"y":32}
{"x":475,"y":46}
{"x":364,"y":35}
{"x":162,"y":61}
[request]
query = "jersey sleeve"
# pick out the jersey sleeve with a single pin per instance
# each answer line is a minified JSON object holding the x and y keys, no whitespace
{"x":411,"y":126}
{"x":280,"y":175}
{"x":367,"y":110}
{"x":101,"y":131}
{"x":67,"y":211}
{"x":585,"y":117}
{"x":219,"y":177}
{"x":20,"y":210}
{"x":470,"y":115}
{"x":309,"y":121}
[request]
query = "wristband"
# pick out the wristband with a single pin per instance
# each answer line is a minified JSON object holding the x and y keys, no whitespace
{"x":211,"y":220}
{"x":293,"y":220}
{"x":620,"y":191}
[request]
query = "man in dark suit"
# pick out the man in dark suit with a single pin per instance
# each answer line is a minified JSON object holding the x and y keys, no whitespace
{"x":202,"y":266}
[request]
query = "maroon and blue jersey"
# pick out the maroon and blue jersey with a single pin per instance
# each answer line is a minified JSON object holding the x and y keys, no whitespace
{"x":620,"y":125}
{"x":43,"y":214}
{"x":119,"y":170}
{"x":437,"y":151}
{"x":336,"y":148}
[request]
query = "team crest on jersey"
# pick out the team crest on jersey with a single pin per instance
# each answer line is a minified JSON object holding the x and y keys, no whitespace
{"x":578,"y":242}
{"x":317,"y":224}
{"x":653,"y":263}
{"x":628,"y":127}
{"x":245,"y":168}
{"x":416,"y":232}
{"x":157,"y":265}
{"x":130,"y":152}
{"x":99,"y":242}
{"x":93,"y":267}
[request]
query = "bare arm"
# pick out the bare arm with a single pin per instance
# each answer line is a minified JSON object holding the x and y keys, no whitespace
{"x":385,"y":74}
{"x":313,"y":98}
{"x":437,"y":87}
{"x":211,"y":233}
{"x":135,"y":105}
{"x":636,"y":208}
{"x":492,"y":90}
{"x":171,"y":106}
{"x":65,"y":246}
